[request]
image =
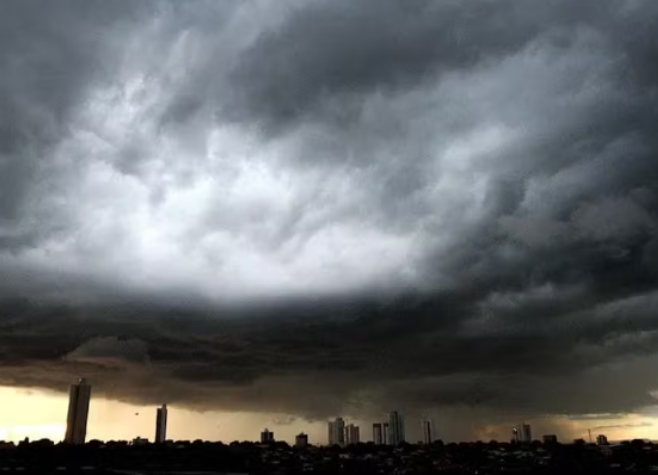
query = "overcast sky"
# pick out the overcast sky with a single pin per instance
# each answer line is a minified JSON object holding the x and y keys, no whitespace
{"x":324,"y":208}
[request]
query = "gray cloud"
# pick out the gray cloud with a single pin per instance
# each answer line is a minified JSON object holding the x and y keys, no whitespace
{"x":623,"y":426}
{"x":110,"y":351}
{"x":51,"y":54}
{"x":388,"y":206}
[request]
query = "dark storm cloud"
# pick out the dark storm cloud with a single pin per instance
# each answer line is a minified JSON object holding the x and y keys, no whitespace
{"x":372,"y":365}
{"x":343,"y":50}
{"x":110,"y":351}
{"x":347,"y":49}
{"x":492,"y":164}
{"x":50,"y":54}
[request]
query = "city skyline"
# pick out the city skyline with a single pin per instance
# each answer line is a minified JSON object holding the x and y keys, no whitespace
{"x":129,"y":429}
{"x":339,"y":432}
{"x":275,"y":213}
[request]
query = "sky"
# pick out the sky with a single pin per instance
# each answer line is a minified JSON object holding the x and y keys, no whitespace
{"x":268,"y":214}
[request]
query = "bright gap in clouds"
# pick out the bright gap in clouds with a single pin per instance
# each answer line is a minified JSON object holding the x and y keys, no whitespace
{"x":206,"y":208}
{"x":225,"y":218}
{"x":211,"y":209}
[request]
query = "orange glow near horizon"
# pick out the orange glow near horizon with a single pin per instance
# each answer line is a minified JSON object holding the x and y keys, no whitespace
{"x":40,"y":414}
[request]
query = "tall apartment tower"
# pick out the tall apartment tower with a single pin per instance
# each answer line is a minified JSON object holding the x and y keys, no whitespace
{"x":337,"y":432}
{"x":395,"y":428}
{"x":352,"y":434}
{"x":428,"y":436}
{"x":161,"y":424}
{"x":267,"y":437}
{"x":385,"y":433}
{"x":301,"y":440}
{"x":377,"y":434}
{"x":526,"y":433}
{"x":76,"y":419}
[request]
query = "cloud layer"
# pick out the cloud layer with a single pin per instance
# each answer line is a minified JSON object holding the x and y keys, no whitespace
{"x":386,"y":205}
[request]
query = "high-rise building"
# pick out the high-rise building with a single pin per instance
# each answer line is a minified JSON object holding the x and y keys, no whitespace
{"x":385,"y":433}
{"x":428,"y":436}
{"x":301,"y":440}
{"x":337,"y":432}
{"x":161,"y":424}
{"x":396,"y":428}
{"x":550,"y":439}
{"x":76,"y":419}
{"x":377,"y":434}
{"x":352,"y":435}
{"x":601,"y":440}
{"x":266,"y":437}
{"x":526,"y":433}
{"x":522,"y":433}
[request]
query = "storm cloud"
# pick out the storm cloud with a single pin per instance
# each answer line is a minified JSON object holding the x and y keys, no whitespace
{"x":379,"y":204}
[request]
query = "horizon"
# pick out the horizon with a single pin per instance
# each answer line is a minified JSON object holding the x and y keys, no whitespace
{"x":270,"y":213}
{"x":146,"y":417}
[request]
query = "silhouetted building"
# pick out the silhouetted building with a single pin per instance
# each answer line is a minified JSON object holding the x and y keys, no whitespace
{"x":76,"y":419}
{"x":526,"y":433}
{"x":377,"y":433}
{"x":602,"y":440}
{"x":522,"y":433}
{"x":337,"y":432}
{"x":385,"y":433}
{"x":139,"y":441}
{"x":396,"y":428}
{"x":352,"y":435}
{"x":161,"y":424}
{"x":428,"y":437}
{"x":266,"y":437}
{"x":301,"y":440}
{"x":550,"y":439}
